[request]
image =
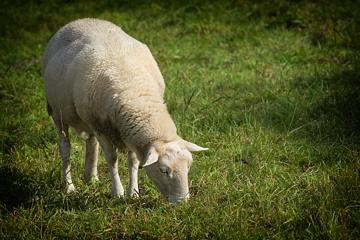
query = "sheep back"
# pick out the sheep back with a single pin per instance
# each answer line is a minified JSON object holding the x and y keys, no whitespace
{"x":99,"y":79}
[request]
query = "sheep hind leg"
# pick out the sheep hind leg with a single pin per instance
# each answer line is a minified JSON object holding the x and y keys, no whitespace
{"x":111,"y":159}
{"x":133,"y":166}
{"x":91,"y":159}
{"x":63,"y":133}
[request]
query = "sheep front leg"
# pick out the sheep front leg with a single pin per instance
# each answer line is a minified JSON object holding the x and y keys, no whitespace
{"x":111,"y":159}
{"x":91,"y":158}
{"x":133,"y":166}
{"x":63,"y":133}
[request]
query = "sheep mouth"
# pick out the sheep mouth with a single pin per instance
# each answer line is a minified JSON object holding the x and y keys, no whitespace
{"x":173,"y":199}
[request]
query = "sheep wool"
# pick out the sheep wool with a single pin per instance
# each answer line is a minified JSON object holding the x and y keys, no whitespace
{"x":99,"y":79}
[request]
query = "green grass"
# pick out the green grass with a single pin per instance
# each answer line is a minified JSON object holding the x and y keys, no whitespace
{"x":271,"y":89}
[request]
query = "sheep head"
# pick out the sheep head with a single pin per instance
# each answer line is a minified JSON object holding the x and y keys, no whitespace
{"x":168,"y":164}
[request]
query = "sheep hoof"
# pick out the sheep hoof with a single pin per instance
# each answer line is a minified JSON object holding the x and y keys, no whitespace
{"x":70,"y":189}
{"x":133,"y":193}
{"x":118,"y":195}
{"x":118,"y":192}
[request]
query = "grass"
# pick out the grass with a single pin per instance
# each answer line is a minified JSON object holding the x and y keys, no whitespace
{"x":271,"y":89}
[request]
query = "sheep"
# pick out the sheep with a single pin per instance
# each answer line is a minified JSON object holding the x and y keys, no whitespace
{"x":108,"y":87}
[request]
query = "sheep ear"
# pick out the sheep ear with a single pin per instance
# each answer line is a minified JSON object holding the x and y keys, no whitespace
{"x":192,"y":147}
{"x":151,"y":157}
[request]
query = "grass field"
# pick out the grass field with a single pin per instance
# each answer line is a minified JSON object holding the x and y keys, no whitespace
{"x":271,"y":88}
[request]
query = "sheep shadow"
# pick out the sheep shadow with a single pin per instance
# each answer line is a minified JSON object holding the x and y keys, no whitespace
{"x":16,"y":189}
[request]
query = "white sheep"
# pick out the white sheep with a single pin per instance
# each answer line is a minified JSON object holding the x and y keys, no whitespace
{"x":108,"y":87}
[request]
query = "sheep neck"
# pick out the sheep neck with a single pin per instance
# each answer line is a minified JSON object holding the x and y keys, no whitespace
{"x":142,"y":120}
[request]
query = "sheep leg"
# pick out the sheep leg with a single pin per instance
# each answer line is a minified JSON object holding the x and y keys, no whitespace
{"x":63,"y":132}
{"x":133,"y":166}
{"x":91,"y":158}
{"x":111,"y":159}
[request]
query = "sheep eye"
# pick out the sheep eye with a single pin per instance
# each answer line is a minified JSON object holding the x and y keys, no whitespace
{"x":164,"y":170}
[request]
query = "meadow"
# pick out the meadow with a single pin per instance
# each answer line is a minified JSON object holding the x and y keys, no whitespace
{"x":271,"y":88}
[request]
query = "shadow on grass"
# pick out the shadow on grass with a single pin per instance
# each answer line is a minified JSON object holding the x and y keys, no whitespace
{"x":16,"y":188}
{"x":34,"y":15}
{"x":341,"y":107}
{"x":333,"y":118}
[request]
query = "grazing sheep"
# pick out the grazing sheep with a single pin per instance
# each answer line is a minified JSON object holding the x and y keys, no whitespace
{"x":108,"y":87}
